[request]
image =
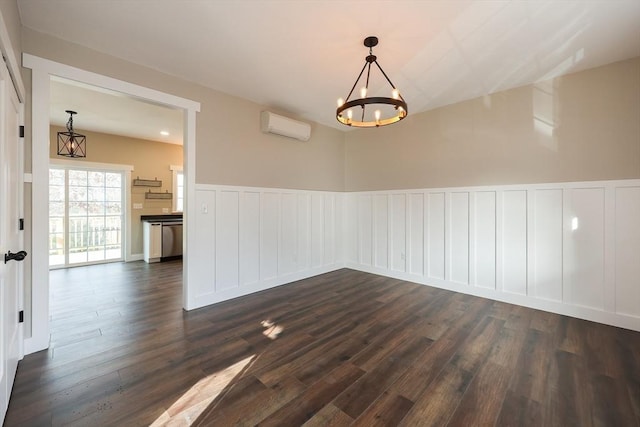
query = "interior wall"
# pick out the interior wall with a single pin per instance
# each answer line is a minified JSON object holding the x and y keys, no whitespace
{"x":230,"y":148}
{"x":580,"y":127}
{"x":149,"y":160}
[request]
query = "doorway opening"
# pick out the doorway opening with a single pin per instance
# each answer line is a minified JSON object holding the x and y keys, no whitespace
{"x":43,"y":73}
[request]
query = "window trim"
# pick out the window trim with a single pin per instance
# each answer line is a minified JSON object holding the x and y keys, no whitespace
{"x":126,"y":170}
{"x":176,"y":169}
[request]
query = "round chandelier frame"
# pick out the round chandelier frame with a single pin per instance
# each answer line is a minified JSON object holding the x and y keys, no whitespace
{"x":396,"y":101}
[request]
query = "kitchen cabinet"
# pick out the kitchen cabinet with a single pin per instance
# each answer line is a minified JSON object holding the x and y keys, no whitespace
{"x":152,"y":241}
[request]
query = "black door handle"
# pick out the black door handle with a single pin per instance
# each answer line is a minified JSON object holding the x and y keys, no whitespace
{"x":18,"y":256}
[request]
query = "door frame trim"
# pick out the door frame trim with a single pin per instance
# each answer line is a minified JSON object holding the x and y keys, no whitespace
{"x":42,"y":70}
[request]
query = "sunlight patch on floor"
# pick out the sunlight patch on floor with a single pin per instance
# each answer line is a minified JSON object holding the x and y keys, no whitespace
{"x":186,"y":410}
{"x":272,"y":331}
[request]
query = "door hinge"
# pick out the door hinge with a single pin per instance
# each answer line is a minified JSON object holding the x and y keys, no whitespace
{"x":21,"y":316}
{"x":21,"y":224}
{"x":21,"y":131}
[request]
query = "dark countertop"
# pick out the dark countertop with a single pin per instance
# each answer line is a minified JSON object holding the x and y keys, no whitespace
{"x":164,"y":217}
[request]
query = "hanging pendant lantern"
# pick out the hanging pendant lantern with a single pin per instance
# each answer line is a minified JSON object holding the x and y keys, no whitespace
{"x":70,"y":143}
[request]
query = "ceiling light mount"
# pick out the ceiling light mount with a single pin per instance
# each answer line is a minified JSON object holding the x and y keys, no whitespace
{"x":70,"y":143}
{"x":395,"y":108}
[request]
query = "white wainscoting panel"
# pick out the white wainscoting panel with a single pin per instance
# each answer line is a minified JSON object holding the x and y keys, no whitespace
{"x":569,"y":248}
{"x":398,"y":232}
{"x":328,"y":239}
{"x":304,"y":232}
{"x":227,"y":240}
{"x":203,"y":254}
{"x":415,"y":234}
{"x":459,"y":237}
{"x":485,"y":239}
{"x":269,"y":228}
{"x":584,"y":247}
{"x":288,"y":253}
{"x":380,"y":230}
{"x":514,"y":241}
{"x":365,"y":229}
{"x":547,"y":244}
{"x":317,"y":230}
{"x":251,"y":239}
{"x":436,"y":236}
{"x":627,"y":251}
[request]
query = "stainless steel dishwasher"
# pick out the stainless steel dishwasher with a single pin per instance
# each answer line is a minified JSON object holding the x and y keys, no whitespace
{"x":171,"y":240}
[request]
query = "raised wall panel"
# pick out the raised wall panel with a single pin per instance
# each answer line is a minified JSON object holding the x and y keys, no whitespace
{"x":365,"y":227}
{"x":398,"y":232}
{"x":287,"y":253}
{"x":514,"y":241}
{"x":584,"y":248}
{"x":459,"y":237}
{"x":317,"y":230}
{"x":227,"y":240}
{"x":329,"y":229}
{"x":350,"y":228}
{"x":339,"y":231}
{"x":547,"y":234}
{"x":485,"y":239}
{"x":249,"y":238}
{"x":380,"y":230}
{"x":416,"y":234}
{"x":627,"y":252}
{"x":269,"y":235}
{"x":436,"y":236}
{"x":203,"y":251}
{"x":304,"y":231}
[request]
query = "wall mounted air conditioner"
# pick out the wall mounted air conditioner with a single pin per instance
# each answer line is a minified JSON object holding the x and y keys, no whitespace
{"x":280,"y":125}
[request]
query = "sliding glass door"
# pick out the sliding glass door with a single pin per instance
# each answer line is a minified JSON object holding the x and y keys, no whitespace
{"x":85,"y":216}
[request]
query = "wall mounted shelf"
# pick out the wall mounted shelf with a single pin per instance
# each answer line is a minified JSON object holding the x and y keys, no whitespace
{"x":151,"y":195}
{"x":147,"y":182}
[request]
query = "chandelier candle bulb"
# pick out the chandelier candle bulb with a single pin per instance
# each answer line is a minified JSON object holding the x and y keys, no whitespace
{"x":340,"y":102}
{"x":363,"y":92}
{"x":395,"y":94}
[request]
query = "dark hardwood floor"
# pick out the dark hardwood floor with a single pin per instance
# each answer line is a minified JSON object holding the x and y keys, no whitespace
{"x":344,"y":348}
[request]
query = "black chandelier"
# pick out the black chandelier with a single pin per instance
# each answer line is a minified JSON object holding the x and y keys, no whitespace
{"x":70,"y":143}
{"x":384,"y":111}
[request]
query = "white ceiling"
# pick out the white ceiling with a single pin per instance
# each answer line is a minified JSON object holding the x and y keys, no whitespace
{"x":103,"y":110}
{"x":301,"y":56}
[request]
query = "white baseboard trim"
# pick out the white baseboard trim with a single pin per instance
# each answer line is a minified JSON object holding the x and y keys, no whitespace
{"x":227,"y":294}
{"x":557,"y":307}
{"x":135,"y":257}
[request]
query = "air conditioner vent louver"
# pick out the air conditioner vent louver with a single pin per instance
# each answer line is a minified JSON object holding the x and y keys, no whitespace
{"x":284,"y":126}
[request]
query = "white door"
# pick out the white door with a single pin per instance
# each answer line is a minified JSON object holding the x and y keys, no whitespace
{"x":11,"y":182}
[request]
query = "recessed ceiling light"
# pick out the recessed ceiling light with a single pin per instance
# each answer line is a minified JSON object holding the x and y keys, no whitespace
{"x":164,"y":133}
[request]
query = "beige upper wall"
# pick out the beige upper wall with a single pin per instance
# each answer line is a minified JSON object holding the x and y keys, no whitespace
{"x":230,"y":148}
{"x":149,"y":160}
{"x":580,"y":127}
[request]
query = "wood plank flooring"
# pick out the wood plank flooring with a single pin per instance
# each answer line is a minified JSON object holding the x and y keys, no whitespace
{"x":344,"y":348}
